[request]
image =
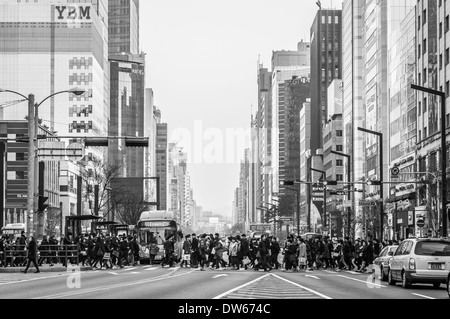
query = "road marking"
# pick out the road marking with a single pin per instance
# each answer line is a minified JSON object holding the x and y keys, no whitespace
{"x":330,"y":272}
{"x":240,"y":287}
{"x":113,"y":273}
{"x":147,"y":266}
{"x":150,"y":269}
{"x":129,"y":269}
{"x":303,"y":287}
{"x":33,"y":279}
{"x":312,"y":277}
{"x":423,"y":296}
{"x":110,"y":287}
{"x":353,"y":273}
{"x":218,"y":276}
{"x":364,"y":281}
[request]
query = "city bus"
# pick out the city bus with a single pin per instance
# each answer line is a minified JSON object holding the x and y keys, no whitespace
{"x":156,"y":226}
{"x":13,"y":231}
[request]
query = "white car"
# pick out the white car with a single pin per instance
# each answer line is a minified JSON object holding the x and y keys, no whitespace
{"x":420,"y":261}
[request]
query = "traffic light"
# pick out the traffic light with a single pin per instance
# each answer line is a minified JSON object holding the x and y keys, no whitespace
{"x":374,"y":183}
{"x":331,"y":183}
{"x":288,"y":183}
{"x":136,"y":142}
{"x":42,"y":203}
{"x":96,"y":142}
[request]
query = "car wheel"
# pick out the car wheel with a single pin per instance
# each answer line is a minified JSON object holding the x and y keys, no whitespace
{"x":405,"y":282}
{"x":436,"y":285}
{"x":384,"y":277}
{"x":391,"y":280}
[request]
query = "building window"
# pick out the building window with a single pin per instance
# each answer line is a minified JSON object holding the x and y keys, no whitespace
{"x":339,"y":178}
{"x":447,"y":88}
{"x":447,"y":56}
{"x":339,"y":133}
{"x":20,"y":175}
{"x":418,"y":24}
{"x":424,"y":133}
{"x":424,"y":105}
{"x":440,"y":61}
{"x":424,"y":75}
{"x":339,"y":163}
{"x":424,"y":16}
{"x":447,"y":23}
{"x":420,"y":135}
{"x":440,"y":30}
{"x":420,"y":108}
{"x":20,"y":156}
{"x":339,"y":148}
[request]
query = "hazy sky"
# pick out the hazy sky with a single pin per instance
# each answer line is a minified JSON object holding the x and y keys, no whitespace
{"x":202,"y":64}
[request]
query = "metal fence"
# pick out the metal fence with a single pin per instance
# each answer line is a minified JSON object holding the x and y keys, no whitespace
{"x":16,"y":255}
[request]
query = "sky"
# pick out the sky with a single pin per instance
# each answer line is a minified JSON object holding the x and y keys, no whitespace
{"x":202,"y":59}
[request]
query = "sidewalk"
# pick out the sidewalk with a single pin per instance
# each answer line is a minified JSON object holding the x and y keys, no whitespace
{"x":43,"y":269}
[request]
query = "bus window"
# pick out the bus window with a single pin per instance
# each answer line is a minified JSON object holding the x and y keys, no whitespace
{"x":160,"y":235}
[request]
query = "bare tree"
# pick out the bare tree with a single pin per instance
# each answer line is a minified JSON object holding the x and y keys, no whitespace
{"x":98,"y":173}
{"x":128,"y":206}
{"x":52,"y":222}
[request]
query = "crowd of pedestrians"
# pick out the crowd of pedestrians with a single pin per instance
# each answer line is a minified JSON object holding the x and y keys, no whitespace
{"x":267,"y":253}
{"x":204,"y":251}
{"x":96,"y":250}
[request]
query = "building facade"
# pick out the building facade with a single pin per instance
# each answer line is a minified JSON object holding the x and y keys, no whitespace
{"x":123,"y":21}
{"x":161,"y":162}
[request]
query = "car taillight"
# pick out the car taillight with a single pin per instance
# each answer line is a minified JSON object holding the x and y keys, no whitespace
{"x":412,"y":264}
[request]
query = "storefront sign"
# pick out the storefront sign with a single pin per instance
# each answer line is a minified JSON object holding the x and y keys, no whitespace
{"x":73,"y":12}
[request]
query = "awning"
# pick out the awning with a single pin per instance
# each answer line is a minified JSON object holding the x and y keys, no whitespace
{"x":84,"y":217}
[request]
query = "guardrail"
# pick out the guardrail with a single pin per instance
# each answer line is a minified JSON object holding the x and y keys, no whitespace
{"x":52,"y":252}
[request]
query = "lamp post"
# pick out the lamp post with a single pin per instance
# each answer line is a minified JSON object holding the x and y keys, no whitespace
{"x":380,"y":136}
{"x":349,"y":211}
{"x":33,"y":161}
{"x":443,"y":153}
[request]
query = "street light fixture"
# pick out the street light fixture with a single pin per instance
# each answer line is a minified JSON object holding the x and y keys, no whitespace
{"x":443,"y":152}
{"x":380,"y":136}
{"x":33,"y":162}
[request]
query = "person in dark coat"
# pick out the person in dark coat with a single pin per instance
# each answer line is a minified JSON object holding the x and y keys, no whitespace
{"x":99,"y":250}
{"x":263,"y":252}
{"x":32,"y":255}
{"x":45,"y":251}
{"x":275,"y":251}
{"x":195,"y":251}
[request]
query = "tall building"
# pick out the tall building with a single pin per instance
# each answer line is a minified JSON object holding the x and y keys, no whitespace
{"x":161,"y":162}
{"x":402,"y":116}
{"x":127,"y":112}
{"x":371,"y":31}
{"x":282,"y":71}
{"x":354,"y":97}
{"x":123,"y":26}
{"x":326,"y":60}
{"x":432,"y":69}
{"x":57,"y":64}
{"x":264,"y":131}
{"x":14,"y":179}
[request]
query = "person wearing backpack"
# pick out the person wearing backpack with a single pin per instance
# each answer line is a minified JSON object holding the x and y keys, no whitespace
{"x":187,"y":251}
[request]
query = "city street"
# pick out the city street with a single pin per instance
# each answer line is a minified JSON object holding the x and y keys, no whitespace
{"x":155,"y":282}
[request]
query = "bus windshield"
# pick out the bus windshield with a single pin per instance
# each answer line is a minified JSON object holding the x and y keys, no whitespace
{"x":158,"y":234}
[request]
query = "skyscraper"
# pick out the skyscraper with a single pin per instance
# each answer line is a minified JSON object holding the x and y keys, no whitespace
{"x":326,"y":62}
{"x":161,"y":161}
{"x":123,"y":26}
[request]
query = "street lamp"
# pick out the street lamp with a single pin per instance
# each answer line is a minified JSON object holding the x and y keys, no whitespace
{"x":443,"y":153}
{"x":380,"y":136}
{"x":349,"y":211}
{"x":33,"y":162}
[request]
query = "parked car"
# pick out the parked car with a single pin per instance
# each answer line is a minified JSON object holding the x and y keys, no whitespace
{"x":420,"y":260}
{"x":383,"y":261}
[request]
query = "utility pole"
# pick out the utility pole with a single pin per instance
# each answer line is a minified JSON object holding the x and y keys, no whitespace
{"x":31,"y":167}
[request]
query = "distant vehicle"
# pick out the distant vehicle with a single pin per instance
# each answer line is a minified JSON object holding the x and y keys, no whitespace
{"x":420,"y":260}
{"x":308,"y":236}
{"x":13,"y":230}
{"x":157,"y":226}
{"x":258,"y":234}
{"x":383,"y":261}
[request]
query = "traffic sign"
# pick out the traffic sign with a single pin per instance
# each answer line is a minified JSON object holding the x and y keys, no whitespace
{"x":420,"y":223}
{"x":367,"y":203}
{"x":75,"y":152}
{"x":395,"y":171}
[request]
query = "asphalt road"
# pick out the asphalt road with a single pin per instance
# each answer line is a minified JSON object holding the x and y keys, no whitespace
{"x":180,"y":283}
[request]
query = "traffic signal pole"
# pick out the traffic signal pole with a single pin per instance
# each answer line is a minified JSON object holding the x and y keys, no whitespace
{"x":31,"y":168}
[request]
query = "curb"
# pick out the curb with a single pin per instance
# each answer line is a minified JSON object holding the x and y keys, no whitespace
{"x":42,"y":270}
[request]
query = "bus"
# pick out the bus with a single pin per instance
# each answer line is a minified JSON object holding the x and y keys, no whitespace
{"x":156,"y":226}
{"x":313,"y":236}
{"x":13,"y":231}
